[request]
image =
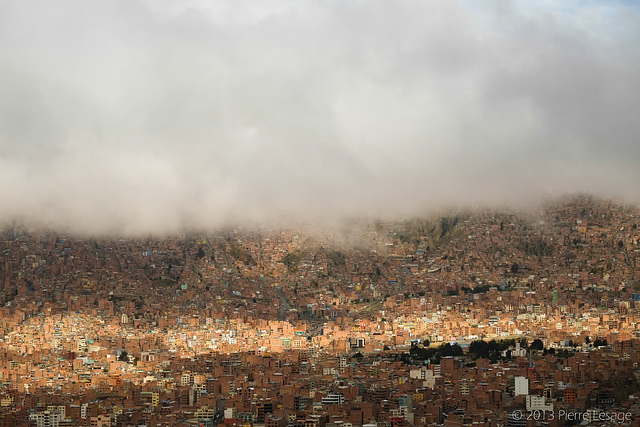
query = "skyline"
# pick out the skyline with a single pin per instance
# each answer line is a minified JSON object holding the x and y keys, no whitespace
{"x":137,"y":117}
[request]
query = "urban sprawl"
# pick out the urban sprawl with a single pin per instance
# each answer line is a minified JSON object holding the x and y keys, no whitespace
{"x":479,"y":317}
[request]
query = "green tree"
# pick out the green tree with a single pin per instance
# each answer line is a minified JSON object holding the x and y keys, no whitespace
{"x":537,"y":344}
{"x":599,"y":342}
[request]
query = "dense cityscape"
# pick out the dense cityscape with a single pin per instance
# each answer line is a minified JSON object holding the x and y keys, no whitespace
{"x":319,"y":213}
{"x":455,"y":319}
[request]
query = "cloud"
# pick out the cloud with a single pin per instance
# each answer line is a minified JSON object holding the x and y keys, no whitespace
{"x":136,"y":116}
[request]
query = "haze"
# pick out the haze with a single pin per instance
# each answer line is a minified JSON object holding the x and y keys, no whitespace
{"x":146,"y":117}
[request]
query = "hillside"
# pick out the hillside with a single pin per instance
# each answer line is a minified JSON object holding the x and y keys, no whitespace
{"x":572,"y":243}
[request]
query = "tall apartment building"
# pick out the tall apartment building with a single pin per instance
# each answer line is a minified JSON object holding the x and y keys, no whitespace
{"x":46,"y":419}
{"x":521,"y":386}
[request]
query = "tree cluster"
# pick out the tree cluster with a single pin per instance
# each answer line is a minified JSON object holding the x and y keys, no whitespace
{"x":419,"y":352}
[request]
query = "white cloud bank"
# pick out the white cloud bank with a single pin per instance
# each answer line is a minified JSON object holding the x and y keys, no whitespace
{"x":136,"y":116}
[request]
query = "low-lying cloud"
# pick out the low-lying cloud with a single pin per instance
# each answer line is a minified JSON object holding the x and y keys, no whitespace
{"x":135,"y":116}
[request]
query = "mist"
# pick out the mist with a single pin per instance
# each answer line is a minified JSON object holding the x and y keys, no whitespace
{"x":148,"y":117}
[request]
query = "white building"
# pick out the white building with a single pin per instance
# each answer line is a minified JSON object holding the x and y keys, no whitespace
{"x":538,"y":403}
{"x":420,"y":373}
{"x":46,"y":419}
{"x":332,"y":399}
{"x":425,"y":374}
{"x":521,"y":386}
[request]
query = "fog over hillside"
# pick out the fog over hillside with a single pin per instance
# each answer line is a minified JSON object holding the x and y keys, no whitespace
{"x":145,"y":117}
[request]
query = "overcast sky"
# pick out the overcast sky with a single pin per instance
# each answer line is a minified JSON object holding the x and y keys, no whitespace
{"x":146,"y":116}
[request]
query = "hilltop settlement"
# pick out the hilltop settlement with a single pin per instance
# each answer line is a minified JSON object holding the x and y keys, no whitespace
{"x":481,"y":317}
